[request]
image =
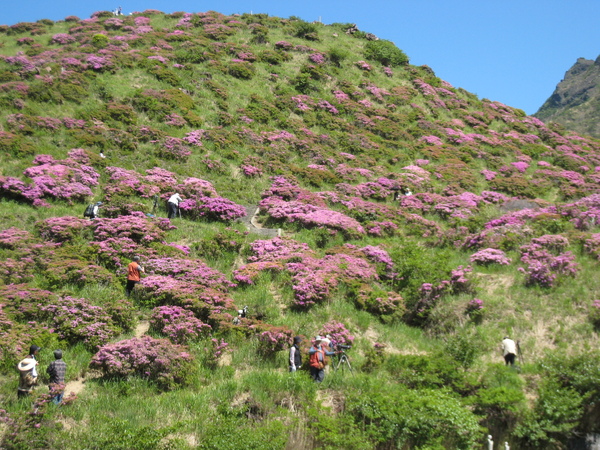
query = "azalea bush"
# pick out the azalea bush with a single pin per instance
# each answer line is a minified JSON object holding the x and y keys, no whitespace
{"x":274,"y":340}
{"x":178,"y":324}
{"x":489,"y":256}
{"x":158,"y":360}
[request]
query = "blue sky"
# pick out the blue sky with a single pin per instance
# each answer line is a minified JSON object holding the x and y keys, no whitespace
{"x":515,"y":52}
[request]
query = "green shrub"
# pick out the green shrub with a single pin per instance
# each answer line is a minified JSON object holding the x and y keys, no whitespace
{"x":337,"y":55}
{"x":260,"y":34}
{"x":514,"y":185}
{"x":261,"y":110}
{"x":554,"y":418}
{"x":426,"y":371}
{"x":121,"y":113}
{"x":404,"y":418}
{"x":306,"y":31}
{"x":15,"y":145}
{"x":166,"y":75}
{"x":463,"y":348}
{"x":72,"y":92}
{"x":385,"y":52}
{"x":274,"y":56}
{"x":241,"y":69}
{"x":100,"y":40}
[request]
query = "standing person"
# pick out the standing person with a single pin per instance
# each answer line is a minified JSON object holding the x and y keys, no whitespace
{"x":133,"y":274}
{"x":28,"y":373}
{"x":509,"y":349}
{"x":317,"y":360}
{"x":57,"y":370}
{"x":295,"y":356}
{"x":173,"y":205}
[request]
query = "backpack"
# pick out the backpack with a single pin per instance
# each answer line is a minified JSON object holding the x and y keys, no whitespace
{"x":89,"y":211}
{"x":315,"y":362}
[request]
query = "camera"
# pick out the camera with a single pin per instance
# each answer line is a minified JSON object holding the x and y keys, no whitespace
{"x":344,"y":347}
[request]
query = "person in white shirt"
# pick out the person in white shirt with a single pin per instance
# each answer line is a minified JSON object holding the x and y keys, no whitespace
{"x":173,"y":205}
{"x":509,"y":348}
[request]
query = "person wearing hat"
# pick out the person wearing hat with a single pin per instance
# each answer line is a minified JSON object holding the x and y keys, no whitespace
{"x":57,"y":370}
{"x":317,"y":359}
{"x":295,"y":356}
{"x":28,"y":373}
{"x":173,"y":205}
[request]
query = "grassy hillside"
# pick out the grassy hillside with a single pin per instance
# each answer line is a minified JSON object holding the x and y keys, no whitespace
{"x":328,"y":185}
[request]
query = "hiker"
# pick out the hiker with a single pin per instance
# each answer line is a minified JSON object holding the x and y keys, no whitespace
{"x":173,"y":205}
{"x":91,"y":212}
{"x":133,"y":274}
{"x":295,"y":355}
{"x":509,"y":348}
{"x":57,"y":370}
{"x":28,"y":373}
{"x":317,"y":360}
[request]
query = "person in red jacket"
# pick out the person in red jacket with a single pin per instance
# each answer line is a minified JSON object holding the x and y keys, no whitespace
{"x":134,"y":271}
{"x":317,"y":359}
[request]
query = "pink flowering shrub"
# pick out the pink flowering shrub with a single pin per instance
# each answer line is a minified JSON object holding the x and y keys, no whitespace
{"x":136,"y":227}
{"x":62,"y":179}
{"x":274,"y":340}
{"x":206,"y":303}
{"x":193,"y":270}
{"x":544,"y":268}
{"x":178,"y":324}
{"x":76,"y":320}
{"x":12,"y":238}
{"x":475,"y":309}
{"x":338,"y":332}
{"x":592,"y":245}
{"x":489,"y":256}
{"x":62,"y":229}
{"x":212,"y":208}
{"x":174,"y":148}
{"x":307,"y":215}
{"x":158,"y":360}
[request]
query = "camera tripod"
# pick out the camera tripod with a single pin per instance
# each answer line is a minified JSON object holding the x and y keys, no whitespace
{"x":343,"y":361}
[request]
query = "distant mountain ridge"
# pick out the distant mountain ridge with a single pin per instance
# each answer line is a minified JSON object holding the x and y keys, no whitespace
{"x":575,"y":102}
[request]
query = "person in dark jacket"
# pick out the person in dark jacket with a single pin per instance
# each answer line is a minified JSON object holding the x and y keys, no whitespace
{"x":295,"y":355}
{"x":57,"y":371}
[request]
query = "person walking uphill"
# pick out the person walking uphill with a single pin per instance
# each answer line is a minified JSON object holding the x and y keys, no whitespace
{"x":57,"y":370}
{"x":509,"y":349}
{"x":295,"y":356}
{"x":28,"y":375}
{"x":133,"y":274}
{"x":317,"y":360}
{"x":173,"y":205}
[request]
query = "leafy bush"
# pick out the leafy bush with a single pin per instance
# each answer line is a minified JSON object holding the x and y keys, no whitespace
{"x":414,"y":418}
{"x":166,"y":364}
{"x":178,"y":324}
{"x":306,"y":31}
{"x":386,"y":53}
{"x":241,"y":69}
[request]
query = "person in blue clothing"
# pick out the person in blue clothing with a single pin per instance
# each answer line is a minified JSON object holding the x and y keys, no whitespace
{"x":317,"y":359}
